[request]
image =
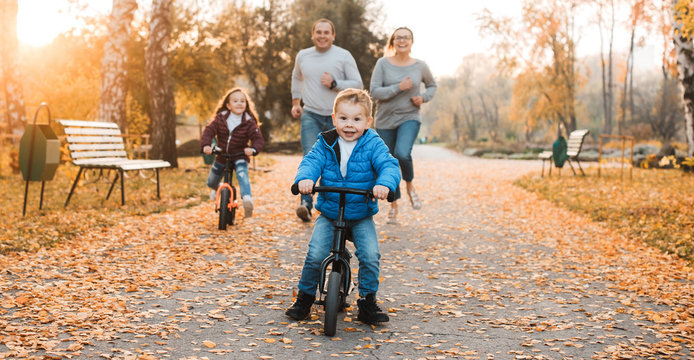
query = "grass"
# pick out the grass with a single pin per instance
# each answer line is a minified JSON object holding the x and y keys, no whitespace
{"x":180,"y":188}
{"x":656,"y":206}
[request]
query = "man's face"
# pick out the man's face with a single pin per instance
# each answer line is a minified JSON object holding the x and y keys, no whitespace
{"x":350,"y":120}
{"x":323,"y":36}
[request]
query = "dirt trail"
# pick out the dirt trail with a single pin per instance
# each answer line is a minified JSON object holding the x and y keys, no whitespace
{"x":484,"y":270}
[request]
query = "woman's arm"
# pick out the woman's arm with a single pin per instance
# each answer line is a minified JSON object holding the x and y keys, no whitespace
{"x":379,"y":90}
{"x":429,"y":83}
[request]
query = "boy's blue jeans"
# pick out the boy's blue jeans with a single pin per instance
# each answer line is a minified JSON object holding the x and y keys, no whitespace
{"x":366,"y":243}
{"x":241,"y":168}
{"x":400,"y":141}
{"x":312,"y":124}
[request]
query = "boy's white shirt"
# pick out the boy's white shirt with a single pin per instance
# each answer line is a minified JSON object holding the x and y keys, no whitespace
{"x":346,"y":148}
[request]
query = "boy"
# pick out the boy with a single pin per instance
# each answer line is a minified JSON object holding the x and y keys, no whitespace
{"x":351,"y":155}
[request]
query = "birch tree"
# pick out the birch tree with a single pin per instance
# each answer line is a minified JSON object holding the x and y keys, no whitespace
{"x":683,"y":21}
{"x":162,"y":105}
{"x":10,"y":78}
{"x":112,"y":101}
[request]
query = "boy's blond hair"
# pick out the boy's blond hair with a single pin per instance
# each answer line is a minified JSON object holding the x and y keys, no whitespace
{"x":354,"y":96}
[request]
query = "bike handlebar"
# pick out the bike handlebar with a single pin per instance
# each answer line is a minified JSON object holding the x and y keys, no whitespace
{"x":344,"y":190}
{"x":218,"y":151}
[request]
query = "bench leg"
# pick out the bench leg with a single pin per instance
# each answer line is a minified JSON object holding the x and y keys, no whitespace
{"x":158,"y":195}
{"x":122,"y":188}
{"x":72,"y":189}
{"x":110,"y":189}
{"x":542,"y":174}
{"x":572,"y":167}
{"x":580,"y":168}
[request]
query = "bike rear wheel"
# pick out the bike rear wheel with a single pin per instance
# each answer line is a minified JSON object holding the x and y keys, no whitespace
{"x":332,"y":302}
{"x":224,"y":212}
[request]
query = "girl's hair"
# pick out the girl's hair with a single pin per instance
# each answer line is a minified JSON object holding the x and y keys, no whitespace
{"x":390,"y":47}
{"x":354,"y":96}
{"x":250,"y":106}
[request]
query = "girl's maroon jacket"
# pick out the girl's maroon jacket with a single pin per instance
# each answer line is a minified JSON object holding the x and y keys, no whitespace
{"x":237,"y":140}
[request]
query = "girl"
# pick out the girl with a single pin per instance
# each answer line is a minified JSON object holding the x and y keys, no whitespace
{"x":235,"y":125}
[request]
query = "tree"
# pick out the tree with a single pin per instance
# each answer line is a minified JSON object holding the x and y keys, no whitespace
{"x":162,"y":105}
{"x":541,"y":49}
{"x":683,"y":20}
{"x":112,"y":102}
{"x":607,"y":78}
{"x":10,"y":78}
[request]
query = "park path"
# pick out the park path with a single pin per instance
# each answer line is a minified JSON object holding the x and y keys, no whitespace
{"x":485,"y":270}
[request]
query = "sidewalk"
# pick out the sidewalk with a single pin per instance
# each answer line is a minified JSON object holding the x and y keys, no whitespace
{"x":484,"y":270}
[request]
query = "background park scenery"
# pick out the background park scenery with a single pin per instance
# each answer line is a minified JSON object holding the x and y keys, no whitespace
{"x":157,"y":70}
{"x":617,"y":68}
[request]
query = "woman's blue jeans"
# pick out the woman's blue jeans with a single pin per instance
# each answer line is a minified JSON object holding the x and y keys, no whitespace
{"x":312,"y":124}
{"x":366,"y":243}
{"x":400,"y":141}
{"x":241,"y":168}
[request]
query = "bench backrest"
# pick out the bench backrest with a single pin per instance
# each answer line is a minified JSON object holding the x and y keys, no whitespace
{"x":93,"y":140}
{"x":575,"y":142}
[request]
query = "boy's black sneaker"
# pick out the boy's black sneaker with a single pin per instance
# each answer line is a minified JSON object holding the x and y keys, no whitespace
{"x":369,"y":312}
{"x":301,"y":307}
{"x":304,"y":212}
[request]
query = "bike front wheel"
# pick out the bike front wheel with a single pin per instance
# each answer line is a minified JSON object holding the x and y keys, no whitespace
{"x":332,"y":303}
{"x":224,"y":211}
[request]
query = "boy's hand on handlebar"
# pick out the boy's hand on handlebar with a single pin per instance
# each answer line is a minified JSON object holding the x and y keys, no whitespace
{"x":380,"y":192}
{"x":306,"y":186}
{"x":207,"y":149}
{"x":249,"y":151}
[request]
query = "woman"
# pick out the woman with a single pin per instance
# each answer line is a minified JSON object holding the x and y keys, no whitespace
{"x":395,"y":85}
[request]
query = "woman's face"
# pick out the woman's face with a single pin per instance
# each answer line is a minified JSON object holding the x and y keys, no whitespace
{"x":402,"y":41}
{"x":237,"y":103}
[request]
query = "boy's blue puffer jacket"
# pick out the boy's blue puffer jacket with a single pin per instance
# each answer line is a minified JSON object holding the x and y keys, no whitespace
{"x":370,"y":164}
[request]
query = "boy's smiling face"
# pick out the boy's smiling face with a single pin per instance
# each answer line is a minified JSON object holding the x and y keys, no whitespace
{"x":350,"y":120}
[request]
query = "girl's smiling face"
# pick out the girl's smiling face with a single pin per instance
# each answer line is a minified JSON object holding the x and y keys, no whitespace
{"x":237,"y":103}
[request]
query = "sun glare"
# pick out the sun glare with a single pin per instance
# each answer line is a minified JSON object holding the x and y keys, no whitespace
{"x":41,"y":21}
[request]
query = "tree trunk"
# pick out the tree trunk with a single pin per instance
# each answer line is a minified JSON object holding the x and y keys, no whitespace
{"x":627,"y":77}
{"x":684,"y":49}
{"x":162,"y":105}
{"x":607,"y":82}
{"x":10,"y":78}
{"x":112,"y":101}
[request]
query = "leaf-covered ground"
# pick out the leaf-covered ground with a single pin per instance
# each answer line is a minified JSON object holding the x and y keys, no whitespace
{"x":656,"y":206}
{"x":486,"y":270}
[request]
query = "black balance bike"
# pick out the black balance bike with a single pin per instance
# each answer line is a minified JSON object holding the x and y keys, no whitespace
{"x":334,"y":297}
{"x":225,"y":202}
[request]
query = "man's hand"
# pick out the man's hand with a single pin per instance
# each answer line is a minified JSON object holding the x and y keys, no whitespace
{"x":306,"y":186}
{"x":326,"y":79}
{"x":296,"y":111}
{"x":249,"y":151}
{"x":380,"y":192}
{"x":405,"y":84}
{"x":207,"y":149}
{"x":417,"y":100}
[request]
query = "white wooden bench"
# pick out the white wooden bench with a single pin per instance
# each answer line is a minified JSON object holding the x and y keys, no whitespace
{"x":100,"y":145}
{"x":573,"y":148}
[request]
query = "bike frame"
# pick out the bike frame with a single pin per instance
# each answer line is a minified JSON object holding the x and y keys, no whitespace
{"x":228,"y":176}
{"x":339,"y":257}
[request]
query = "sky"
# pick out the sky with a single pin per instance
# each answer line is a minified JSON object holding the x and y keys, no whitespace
{"x":445,"y":31}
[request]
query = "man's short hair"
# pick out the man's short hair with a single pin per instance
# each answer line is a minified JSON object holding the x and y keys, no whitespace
{"x":332,"y":26}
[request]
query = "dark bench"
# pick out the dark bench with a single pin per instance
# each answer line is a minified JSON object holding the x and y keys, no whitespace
{"x":100,"y":145}
{"x":573,"y":148}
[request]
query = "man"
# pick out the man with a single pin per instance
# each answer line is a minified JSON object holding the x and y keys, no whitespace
{"x":320,"y":72}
